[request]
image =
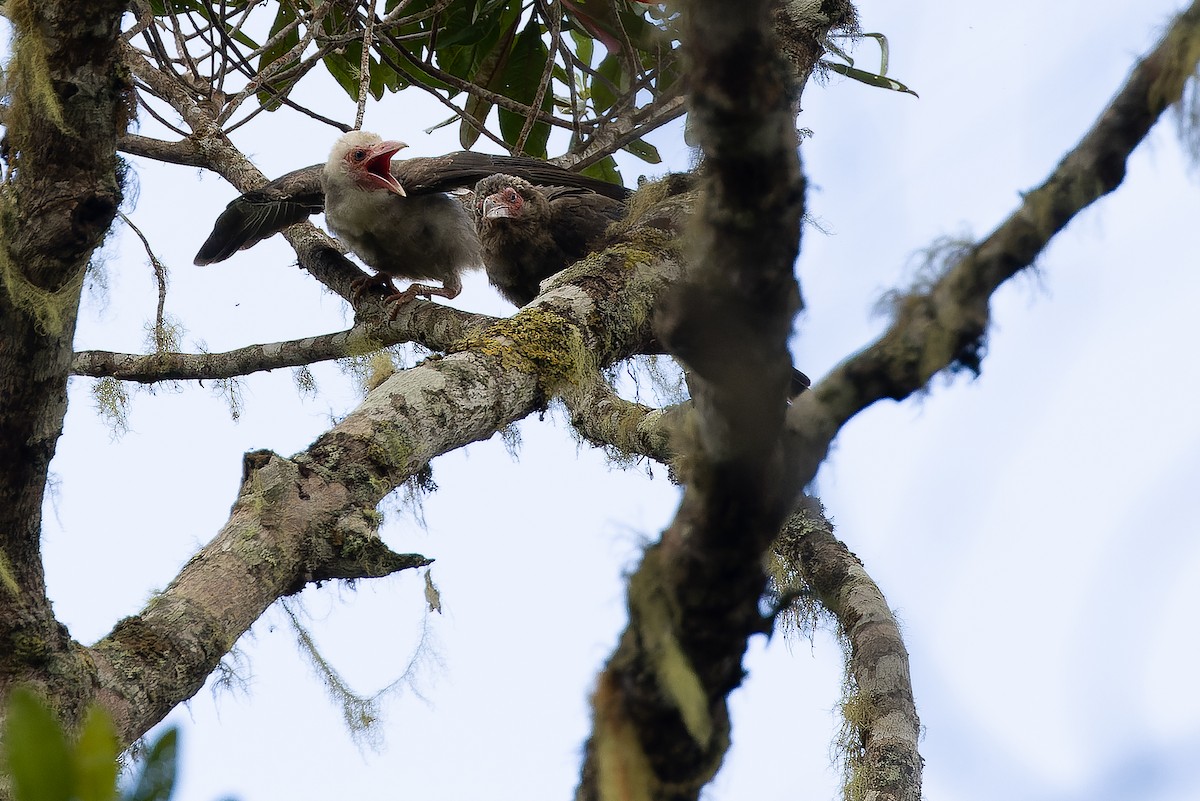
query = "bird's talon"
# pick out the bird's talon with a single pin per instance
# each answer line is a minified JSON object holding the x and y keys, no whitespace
{"x":360,"y":285}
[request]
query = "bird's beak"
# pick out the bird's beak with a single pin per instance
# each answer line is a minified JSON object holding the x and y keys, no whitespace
{"x":493,"y":208}
{"x":379,"y":166}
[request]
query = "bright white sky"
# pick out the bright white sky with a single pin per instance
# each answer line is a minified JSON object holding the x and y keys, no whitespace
{"x":1034,"y":529}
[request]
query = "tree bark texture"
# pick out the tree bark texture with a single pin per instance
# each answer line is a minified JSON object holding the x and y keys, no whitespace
{"x":880,"y":724}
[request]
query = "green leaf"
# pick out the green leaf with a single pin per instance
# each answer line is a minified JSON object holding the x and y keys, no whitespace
{"x":642,"y":35}
{"x":521,"y":82}
{"x":448,"y":121}
{"x":390,"y":66}
{"x":241,"y":38}
{"x":644,"y":151}
{"x":285,"y":17}
{"x":466,"y":24}
{"x":883,"y":50}
{"x":869,"y":78}
{"x":344,"y":70}
{"x":669,"y":73}
{"x":412,"y":74}
{"x":585,"y":46}
{"x":602,"y":93}
{"x":156,"y":779}
{"x":489,"y":75}
{"x":383,"y":78}
{"x":35,"y":750}
{"x":96,"y":758}
{"x":456,"y":60}
{"x":605,"y":170}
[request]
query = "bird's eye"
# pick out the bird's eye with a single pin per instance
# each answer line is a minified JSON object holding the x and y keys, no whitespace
{"x":510,"y":194}
{"x":359,"y":154}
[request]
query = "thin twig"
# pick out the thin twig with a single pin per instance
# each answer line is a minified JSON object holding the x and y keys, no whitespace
{"x":364,"y":69}
{"x":554,"y":21}
{"x":161,"y":339}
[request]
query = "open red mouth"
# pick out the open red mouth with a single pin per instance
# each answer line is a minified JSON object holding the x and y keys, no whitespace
{"x":379,"y":166}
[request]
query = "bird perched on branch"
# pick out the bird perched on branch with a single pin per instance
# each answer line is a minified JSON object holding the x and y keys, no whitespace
{"x":394,"y":215}
{"x":529,"y":233}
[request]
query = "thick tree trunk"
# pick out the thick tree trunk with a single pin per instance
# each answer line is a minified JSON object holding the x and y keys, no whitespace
{"x":69,"y":104}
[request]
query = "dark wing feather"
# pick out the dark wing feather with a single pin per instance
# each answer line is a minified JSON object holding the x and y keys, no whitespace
{"x":256,"y":215}
{"x":578,"y":218}
{"x":465,"y":169}
{"x":553,"y":193}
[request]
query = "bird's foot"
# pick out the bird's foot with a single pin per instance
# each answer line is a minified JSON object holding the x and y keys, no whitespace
{"x":360,"y":285}
{"x":400,"y":299}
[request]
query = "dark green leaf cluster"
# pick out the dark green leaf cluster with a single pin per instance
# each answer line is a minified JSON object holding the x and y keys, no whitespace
{"x":579,"y":65}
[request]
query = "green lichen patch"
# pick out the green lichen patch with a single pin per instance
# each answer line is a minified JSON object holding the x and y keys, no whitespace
{"x":50,"y":309}
{"x":536,"y":341}
{"x":28,"y":74}
{"x":851,"y":752}
{"x":390,"y":448}
{"x":647,"y":199}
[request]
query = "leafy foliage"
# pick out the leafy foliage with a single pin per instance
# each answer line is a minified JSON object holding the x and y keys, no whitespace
{"x":536,"y":65}
{"x":42,"y":764}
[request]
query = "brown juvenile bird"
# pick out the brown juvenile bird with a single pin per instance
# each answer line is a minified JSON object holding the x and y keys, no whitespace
{"x":529,"y":232}
{"x":394,"y":215}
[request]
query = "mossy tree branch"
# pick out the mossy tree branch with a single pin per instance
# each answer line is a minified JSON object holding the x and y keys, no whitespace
{"x":607,"y":420}
{"x":880,"y":726}
{"x":943,"y":324}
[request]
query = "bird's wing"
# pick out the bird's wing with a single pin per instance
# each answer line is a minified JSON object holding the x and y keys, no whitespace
{"x":256,"y":215}
{"x":579,"y":219}
{"x":465,"y":169}
{"x":553,"y":193}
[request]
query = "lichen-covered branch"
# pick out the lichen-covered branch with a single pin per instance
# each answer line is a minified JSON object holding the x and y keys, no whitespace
{"x":881,"y":727}
{"x":293,"y":523}
{"x":943,"y":324}
{"x":878,"y":746}
{"x":606,"y":420}
{"x":183,"y":152}
{"x":434,"y":326}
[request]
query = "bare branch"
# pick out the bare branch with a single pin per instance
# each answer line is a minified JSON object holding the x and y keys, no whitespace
{"x":612,"y":137}
{"x":364,"y":67}
{"x":434,"y":326}
{"x":162,"y":337}
{"x":183,"y":152}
